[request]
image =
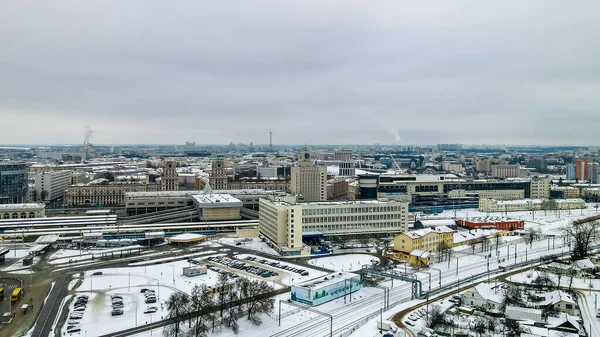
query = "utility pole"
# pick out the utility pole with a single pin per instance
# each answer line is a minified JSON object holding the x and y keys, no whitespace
{"x":456,"y":265}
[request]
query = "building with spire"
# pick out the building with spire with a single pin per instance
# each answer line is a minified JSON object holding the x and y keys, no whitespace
{"x":169,"y":180}
{"x":309,"y":180}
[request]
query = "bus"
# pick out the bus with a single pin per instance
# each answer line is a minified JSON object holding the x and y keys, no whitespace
{"x":16,"y":294}
{"x":1,"y":293}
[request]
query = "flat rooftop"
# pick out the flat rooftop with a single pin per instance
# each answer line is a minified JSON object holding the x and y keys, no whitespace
{"x":338,"y":203}
{"x":216,"y":200}
{"x":158,"y":194}
{"x":22,"y":206}
{"x":326,"y":280}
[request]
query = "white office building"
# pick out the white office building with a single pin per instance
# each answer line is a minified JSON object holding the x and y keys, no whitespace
{"x":283,"y":220}
{"x":51,"y":185}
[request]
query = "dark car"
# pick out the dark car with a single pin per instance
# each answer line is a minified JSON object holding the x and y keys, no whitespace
{"x":97,"y":273}
{"x":116,"y":312}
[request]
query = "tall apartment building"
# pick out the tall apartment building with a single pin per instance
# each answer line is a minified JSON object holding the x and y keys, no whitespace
{"x":583,"y":171}
{"x":14,"y":183}
{"x":283,"y":221}
{"x":506,"y":171}
{"x":52,"y":185}
{"x":218,"y":178}
{"x":169,"y":180}
{"x":309,"y":180}
{"x":540,"y":188}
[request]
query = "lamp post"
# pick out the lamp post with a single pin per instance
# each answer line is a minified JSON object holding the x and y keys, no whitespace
{"x":136,"y":313}
{"x":172,"y":266}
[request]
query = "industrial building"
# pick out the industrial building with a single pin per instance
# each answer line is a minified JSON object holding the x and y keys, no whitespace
{"x":499,"y":223}
{"x":325,"y":288}
{"x":284,"y":221}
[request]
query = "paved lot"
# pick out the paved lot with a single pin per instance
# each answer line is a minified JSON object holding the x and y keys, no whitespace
{"x":5,"y":306}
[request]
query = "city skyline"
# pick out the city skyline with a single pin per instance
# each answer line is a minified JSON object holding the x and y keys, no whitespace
{"x":311,"y":72}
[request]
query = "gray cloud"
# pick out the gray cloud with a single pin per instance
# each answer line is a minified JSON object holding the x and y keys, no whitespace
{"x":313,"y":72}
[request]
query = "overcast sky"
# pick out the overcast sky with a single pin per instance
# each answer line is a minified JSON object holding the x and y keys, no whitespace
{"x":322,"y":72}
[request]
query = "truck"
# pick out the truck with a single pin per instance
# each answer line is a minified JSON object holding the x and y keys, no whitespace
{"x":387,"y":326}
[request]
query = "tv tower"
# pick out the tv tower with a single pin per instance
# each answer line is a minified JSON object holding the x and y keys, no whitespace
{"x":271,"y":141}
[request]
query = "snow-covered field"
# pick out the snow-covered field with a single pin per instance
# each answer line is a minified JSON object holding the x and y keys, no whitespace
{"x":348,"y":262}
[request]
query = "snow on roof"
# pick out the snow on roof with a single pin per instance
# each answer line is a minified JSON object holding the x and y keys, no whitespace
{"x":435,"y":223}
{"x":471,"y":235}
{"x":556,"y":296}
{"x":419,"y":253}
{"x":490,"y":292}
{"x":186,"y":237}
{"x":22,"y":206}
{"x":326,"y":280}
{"x":224,"y":200}
{"x":555,"y":322}
{"x":419,"y":233}
{"x":584,"y":264}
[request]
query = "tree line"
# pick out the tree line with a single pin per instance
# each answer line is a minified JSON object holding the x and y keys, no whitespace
{"x":204,"y":311}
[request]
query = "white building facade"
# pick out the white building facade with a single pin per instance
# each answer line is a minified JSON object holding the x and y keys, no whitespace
{"x":52,"y":184}
{"x":283,"y":221}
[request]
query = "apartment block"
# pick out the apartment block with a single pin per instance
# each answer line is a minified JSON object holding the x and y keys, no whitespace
{"x":51,"y":185}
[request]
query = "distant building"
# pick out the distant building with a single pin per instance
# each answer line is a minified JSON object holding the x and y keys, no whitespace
{"x":452,"y":167}
{"x":105,"y":193}
{"x":337,"y":189}
{"x":169,"y":180}
{"x":449,"y":147}
{"x":22,"y":211}
{"x":52,"y":185}
{"x":218,"y":178}
{"x":506,"y":171}
{"x":540,"y":188}
{"x":14,"y":183}
{"x":346,"y":169}
{"x":584,"y":171}
{"x":492,"y":205}
{"x":485,"y":165}
{"x":492,"y":223}
{"x":422,"y":240}
{"x":539,"y":164}
{"x":343,"y":155}
{"x":309,"y":180}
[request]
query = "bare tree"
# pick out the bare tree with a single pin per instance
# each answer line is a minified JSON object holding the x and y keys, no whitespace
{"x":436,"y":317}
{"x":177,"y":306}
{"x":582,"y":236}
{"x":543,"y":280}
{"x":222,"y":284}
{"x":231,"y":313}
{"x":201,"y":303}
{"x":480,"y":327}
{"x":571,"y":273}
{"x":258,"y":303}
{"x":513,"y":296}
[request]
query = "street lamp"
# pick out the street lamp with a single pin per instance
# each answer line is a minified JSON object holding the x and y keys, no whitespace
{"x":173,"y":274}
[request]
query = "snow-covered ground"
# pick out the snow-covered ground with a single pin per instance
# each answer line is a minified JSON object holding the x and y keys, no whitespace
{"x":254,"y":244}
{"x":348,"y":262}
{"x":289,"y":277}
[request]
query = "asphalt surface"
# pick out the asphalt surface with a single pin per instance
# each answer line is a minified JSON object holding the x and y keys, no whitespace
{"x":5,"y":306}
{"x":50,"y":309}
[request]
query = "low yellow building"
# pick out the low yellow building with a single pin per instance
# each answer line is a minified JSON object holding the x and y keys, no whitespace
{"x":417,"y":246}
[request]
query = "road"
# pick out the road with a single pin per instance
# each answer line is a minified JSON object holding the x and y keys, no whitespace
{"x":5,"y":306}
{"x":50,"y":310}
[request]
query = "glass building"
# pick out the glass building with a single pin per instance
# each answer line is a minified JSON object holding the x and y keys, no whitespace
{"x":13,"y":183}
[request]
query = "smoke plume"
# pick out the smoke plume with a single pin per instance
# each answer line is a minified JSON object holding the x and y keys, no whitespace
{"x":88,"y":134}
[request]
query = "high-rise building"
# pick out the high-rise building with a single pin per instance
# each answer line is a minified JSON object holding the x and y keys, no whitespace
{"x":52,"y":185}
{"x":583,"y":171}
{"x":218,"y":178}
{"x":309,"y":180}
{"x":13,"y":183}
{"x":169,"y":180}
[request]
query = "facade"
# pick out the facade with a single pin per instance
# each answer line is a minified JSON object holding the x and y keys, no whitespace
{"x":14,"y":183}
{"x":452,"y":167}
{"x":22,"y":211}
{"x":214,"y":207}
{"x":52,"y":184}
{"x":506,"y":171}
{"x":492,"y":205}
{"x":337,"y":189}
{"x":540,"y":188}
{"x":147,"y":202}
{"x":309,"y":180}
{"x":565,"y":192}
{"x":169,"y":181}
{"x":346,"y":169}
{"x":489,"y":194}
{"x":485,"y":296}
{"x":584,"y":171}
{"x":218,"y":178}
{"x":412,"y":245}
{"x":343,"y":155}
{"x":194,"y":271}
{"x":283,"y":220}
{"x":492,"y":223}
{"x":485,"y":165}
{"x":107,"y":194}
{"x":325,"y":288}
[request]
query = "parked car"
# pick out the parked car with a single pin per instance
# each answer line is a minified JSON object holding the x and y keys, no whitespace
{"x":73,"y":329}
{"x":150,"y":310}
{"x":97,"y":273}
{"x":116,"y":312}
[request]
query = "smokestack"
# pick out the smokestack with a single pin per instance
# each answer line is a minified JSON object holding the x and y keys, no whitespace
{"x":88,"y":132}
